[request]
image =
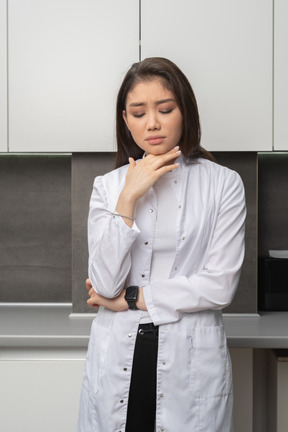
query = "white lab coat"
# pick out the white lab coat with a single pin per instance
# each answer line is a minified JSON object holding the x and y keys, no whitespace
{"x":194,"y":383}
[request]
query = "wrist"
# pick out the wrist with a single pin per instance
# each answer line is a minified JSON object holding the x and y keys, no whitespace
{"x":141,"y":301}
{"x":126,"y":206}
{"x":127,"y":199}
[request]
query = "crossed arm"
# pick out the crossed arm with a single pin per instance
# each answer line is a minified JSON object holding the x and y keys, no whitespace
{"x":116,"y":304}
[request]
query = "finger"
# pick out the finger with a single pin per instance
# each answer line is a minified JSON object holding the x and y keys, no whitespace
{"x":91,"y":304}
{"x":88,"y":284}
{"x":132,"y":163}
{"x":166,"y":168}
{"x":175,"y":152}
{"x":92,"y":292}
{"x":94,"y":298}
{"x":161,"y":160}
{"x":169,"y":154}
{"x":172,"y":153}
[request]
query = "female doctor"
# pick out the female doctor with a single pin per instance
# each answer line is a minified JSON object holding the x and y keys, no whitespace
{"x":166,"y":244}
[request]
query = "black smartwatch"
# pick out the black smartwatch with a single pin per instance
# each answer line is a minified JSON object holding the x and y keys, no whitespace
{"x":131,"y":296}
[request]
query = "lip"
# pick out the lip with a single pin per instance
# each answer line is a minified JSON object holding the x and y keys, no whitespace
{"x":155,"y":139}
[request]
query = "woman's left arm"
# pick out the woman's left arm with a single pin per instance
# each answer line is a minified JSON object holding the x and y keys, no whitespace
{"x":215,"y":285}
{"x":212,"y":288}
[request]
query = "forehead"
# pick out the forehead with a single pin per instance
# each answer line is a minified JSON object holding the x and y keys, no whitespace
{"x":145,"y":91}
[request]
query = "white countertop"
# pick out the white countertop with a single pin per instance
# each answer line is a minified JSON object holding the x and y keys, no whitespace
{"x":55,"y":326}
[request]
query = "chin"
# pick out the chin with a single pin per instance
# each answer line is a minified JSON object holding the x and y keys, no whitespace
{"x":158,"y":151}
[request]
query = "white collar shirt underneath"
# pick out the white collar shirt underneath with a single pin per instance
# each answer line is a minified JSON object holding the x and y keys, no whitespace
{"x":164,"y":244}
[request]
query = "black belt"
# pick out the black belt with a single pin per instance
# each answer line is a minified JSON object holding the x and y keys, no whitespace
{"x":147,"y":328}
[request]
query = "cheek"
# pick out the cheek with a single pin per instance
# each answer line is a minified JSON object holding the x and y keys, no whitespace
{"x":135,"y":129}
{"x":178,"y":128}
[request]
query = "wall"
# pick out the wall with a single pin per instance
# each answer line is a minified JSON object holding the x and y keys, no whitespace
{"x":35,"y":228}
{"x":43,"y":249}
{"x":43,"y":222}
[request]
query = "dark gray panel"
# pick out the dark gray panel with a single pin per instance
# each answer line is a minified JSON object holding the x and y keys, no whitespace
{"x":35,"y":228}
{"x":273,"y":202}
{"x":85,"y":167}
{"x":35,"y":225}
{"x":245,"y":164}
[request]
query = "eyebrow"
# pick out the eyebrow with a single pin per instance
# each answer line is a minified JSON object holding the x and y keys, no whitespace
{"x":137,"y":104}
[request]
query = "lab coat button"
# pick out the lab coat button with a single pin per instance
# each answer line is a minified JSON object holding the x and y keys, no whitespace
{"x":146,"y":243}
{"x":161,"y":429}
{"x":151,"y":210}
{"x":163,"y":363}
{"x":183,"y":238}
{"x":161,"y":395}
{"x":143,"y":276}
{"x":125,"y":369}
{"x":121,"y":401}
{"x":129,"y":335}
{"x":175,"y":181}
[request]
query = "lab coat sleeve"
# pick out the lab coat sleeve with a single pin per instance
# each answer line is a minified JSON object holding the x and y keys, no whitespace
{"x":213,"y":287}
{"x":109,"y":243}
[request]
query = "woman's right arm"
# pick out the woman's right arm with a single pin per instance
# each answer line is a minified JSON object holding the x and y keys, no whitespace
{"x":110,"y":237}
{"x":109,"y":243}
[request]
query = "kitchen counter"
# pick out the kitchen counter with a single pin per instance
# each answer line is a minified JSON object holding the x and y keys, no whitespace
{"x":55,"y":326}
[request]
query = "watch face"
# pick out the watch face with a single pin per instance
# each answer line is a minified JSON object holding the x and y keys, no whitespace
{"x":132,"y":293}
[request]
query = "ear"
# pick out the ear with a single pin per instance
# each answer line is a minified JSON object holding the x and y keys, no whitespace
{"x":125,"y":118}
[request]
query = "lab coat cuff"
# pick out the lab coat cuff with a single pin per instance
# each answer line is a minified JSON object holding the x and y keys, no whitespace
{"x":149,"y":305}
{"x":122,"y":225}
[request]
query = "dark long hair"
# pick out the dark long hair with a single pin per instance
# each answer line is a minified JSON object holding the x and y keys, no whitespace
{"x":174,"y":80}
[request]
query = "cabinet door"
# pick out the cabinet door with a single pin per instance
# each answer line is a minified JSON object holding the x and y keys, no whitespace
{"x":225,"y":49}
{"x":66,"y":61}
{"x":3,"y":77}
{"x":40,"y":395}
{"x":280,"y":75}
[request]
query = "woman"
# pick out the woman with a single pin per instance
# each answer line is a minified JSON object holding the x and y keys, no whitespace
{"x":166,"y":244}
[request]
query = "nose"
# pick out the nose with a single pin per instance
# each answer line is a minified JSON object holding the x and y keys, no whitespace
{"x":152,"y":122}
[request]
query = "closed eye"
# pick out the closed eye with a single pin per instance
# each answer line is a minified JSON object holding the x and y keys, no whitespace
{"x":166,"y":111}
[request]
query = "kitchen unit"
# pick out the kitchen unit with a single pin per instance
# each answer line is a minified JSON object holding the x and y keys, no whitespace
{"x":57,"y":93}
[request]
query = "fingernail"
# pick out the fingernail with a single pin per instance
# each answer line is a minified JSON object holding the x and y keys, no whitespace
{"x":179,"y":151}
{"x":177,"y":147}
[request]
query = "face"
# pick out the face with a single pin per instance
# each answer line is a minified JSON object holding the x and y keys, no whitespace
{"x":153,"y":117}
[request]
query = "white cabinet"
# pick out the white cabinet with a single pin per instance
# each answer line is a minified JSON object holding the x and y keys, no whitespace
{"x":3,"y":76}
{"x":66,"y":62}
{"x":242,"y":367}
{"x":280,"y":75}
{"x":40,"y":389}
{"x":225,"y":49}
{"x":278,"y":385}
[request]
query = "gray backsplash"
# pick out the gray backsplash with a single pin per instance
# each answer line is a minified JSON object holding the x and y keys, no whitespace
{"x":43,"y":248}
{"x":87,"y":166}
{"x":35,"y":228}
